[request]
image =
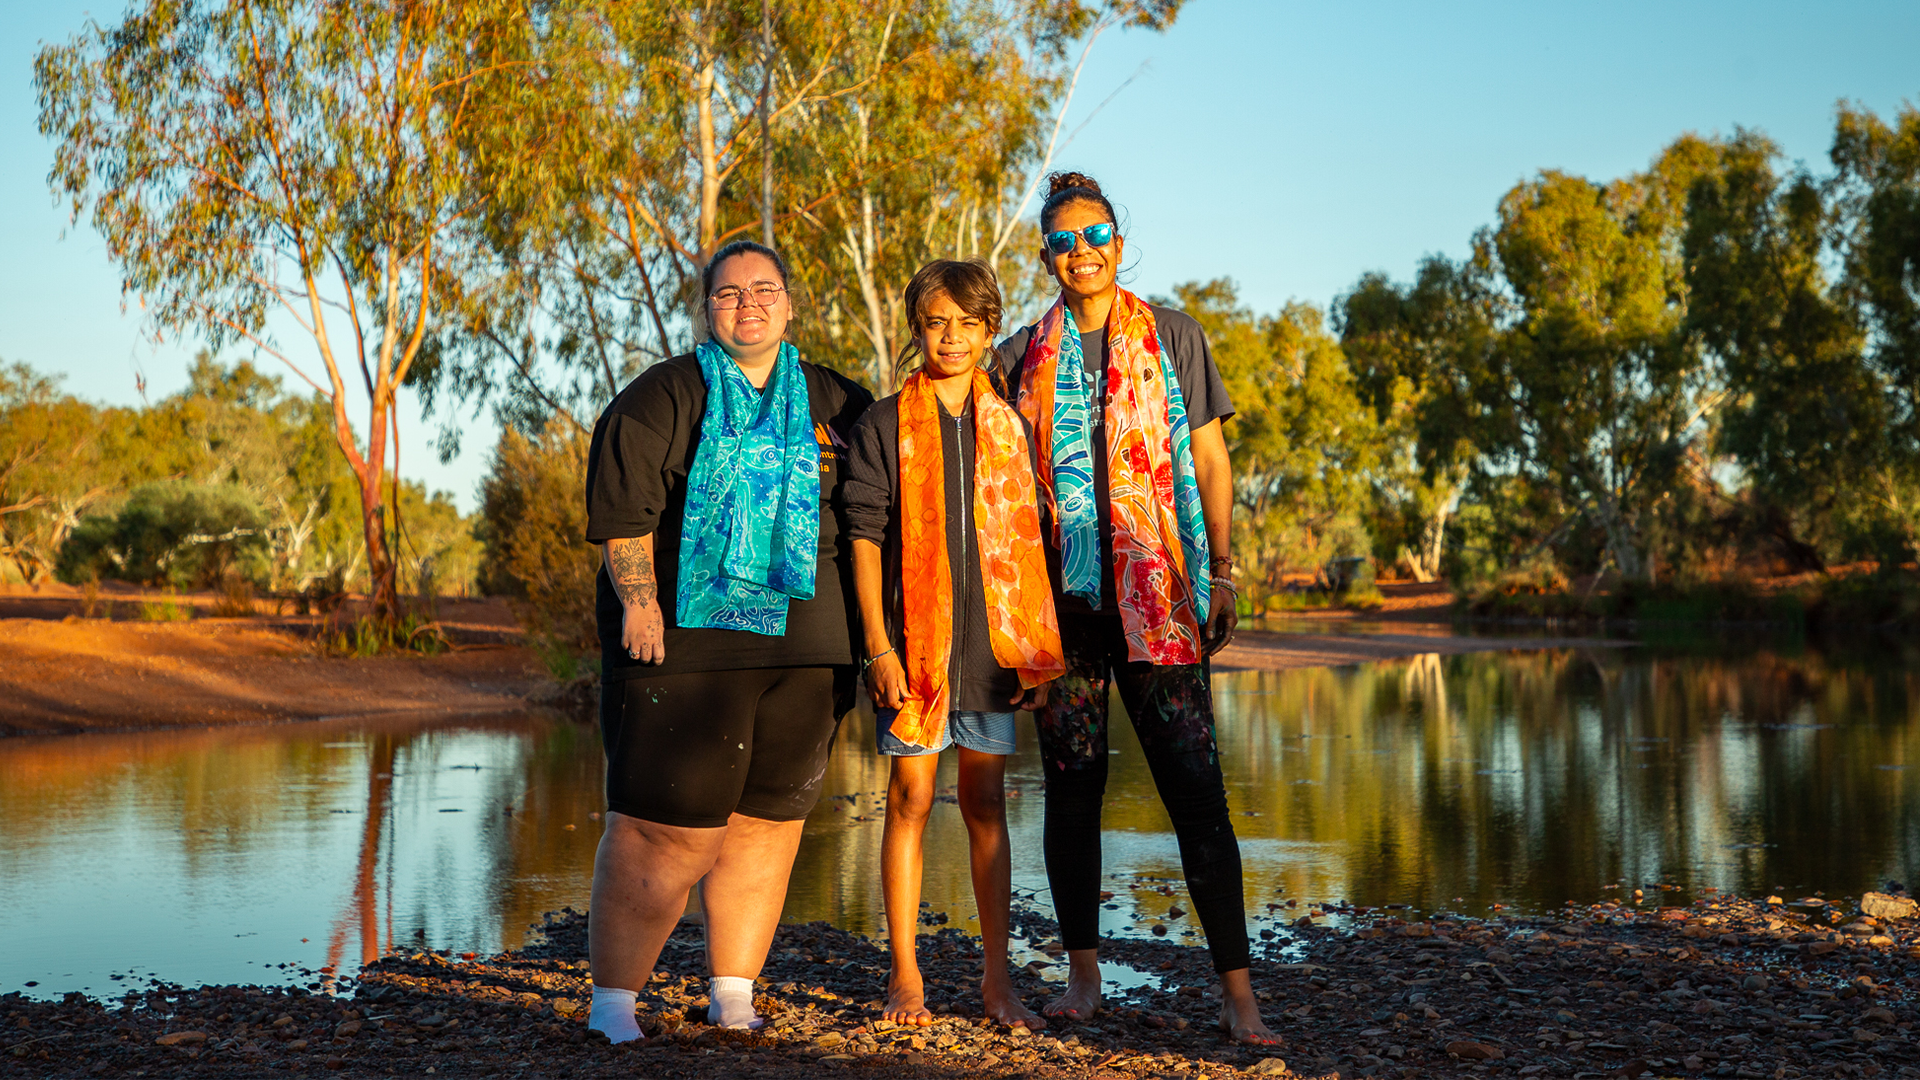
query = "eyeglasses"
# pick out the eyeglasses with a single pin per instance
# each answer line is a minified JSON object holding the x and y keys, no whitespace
{"x":1099,"y":235}
{"x":763,"y":293}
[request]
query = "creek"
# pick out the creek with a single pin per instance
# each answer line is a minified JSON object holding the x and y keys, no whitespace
{"x":1524,"y":779}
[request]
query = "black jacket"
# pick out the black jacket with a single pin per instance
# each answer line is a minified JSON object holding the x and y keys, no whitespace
{"x":872,"y":494}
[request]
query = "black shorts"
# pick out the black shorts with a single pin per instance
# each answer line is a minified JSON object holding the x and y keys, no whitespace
{"x":692,"y":749}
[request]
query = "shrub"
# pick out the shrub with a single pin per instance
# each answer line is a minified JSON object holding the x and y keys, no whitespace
{"x":534,"y":524}
{"x":170,"y":533}
{"x":165,"y":610}
{"x":235,"y":599}
{"x":367,"y":636}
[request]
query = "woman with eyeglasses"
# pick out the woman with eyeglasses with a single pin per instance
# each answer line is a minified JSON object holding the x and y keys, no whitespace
{"x":713,"y":488}
{"x":1126,"y":406}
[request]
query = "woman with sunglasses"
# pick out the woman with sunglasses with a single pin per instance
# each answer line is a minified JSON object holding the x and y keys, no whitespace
{"x":1127,"y":405}
{"x":713,"y":486}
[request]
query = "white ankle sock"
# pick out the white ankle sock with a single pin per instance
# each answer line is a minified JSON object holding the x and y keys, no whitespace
{"x":612,"y":1014}
{"x":730,"y":1004}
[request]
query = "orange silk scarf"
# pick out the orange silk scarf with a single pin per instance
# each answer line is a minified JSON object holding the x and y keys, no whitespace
{"x":1013,"y":568}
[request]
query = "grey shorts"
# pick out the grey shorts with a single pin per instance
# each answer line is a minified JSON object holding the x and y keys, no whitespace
{"x":985,"y":732}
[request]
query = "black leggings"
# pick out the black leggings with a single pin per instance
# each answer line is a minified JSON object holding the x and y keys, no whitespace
{"x":1172,"y":711}
{"x":693,"y":749}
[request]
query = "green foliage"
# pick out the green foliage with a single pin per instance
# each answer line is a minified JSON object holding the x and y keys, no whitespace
{"x":1658,"y":375}
{"x":367,"y":636}
{"x":1302,"y":446}
{"x":1805,"y":418}
{"x":860,"y":140}
{"x":165,"y":610}
{"x":437,"y":550}
{"x":1417,"y":353}
{"x":533,"y":522}
{"x":295,"y":157}
{"x":94,"y":492}
{"x":171,"y":533}
{"x":59,"y":459}
{"x":1593,"y":386}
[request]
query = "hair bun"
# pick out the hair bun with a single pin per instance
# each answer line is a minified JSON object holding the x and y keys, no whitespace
{"x":1061,"y":181}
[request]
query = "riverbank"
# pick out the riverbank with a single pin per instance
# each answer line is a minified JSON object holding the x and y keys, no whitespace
{"x":1268,"y":650}
{"x":66,"y":673}
{"x":70,"y":670}
{"x":1722,"y":987}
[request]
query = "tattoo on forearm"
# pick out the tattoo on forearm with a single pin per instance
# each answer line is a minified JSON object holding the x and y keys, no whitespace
{"x":631,"y":567}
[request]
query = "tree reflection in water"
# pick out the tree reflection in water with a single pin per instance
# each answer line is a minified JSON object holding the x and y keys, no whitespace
{"x":1525,"y":778}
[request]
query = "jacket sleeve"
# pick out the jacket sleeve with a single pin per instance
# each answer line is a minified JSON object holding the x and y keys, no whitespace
{"x":871,"y":478}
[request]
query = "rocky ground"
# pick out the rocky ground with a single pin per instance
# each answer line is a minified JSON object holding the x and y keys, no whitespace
{"x":1720,"y":988}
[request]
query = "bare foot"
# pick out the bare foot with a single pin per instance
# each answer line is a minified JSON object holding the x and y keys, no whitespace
{"x":1079,"y":1001}
{"x":1004,"y":1006}
{"x":906,"y":1000}
{"x":1244,"y":1026}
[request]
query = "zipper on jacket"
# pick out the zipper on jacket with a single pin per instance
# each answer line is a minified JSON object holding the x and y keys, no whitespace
{"x":960,"y":594}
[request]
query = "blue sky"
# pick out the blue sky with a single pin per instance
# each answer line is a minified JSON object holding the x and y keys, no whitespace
{"x":1289,"y":147}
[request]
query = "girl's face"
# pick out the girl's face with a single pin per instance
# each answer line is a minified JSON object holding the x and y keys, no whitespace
{"x":951,"y":340}
{"x":1086,"y":271}
{"x":748,"y":309}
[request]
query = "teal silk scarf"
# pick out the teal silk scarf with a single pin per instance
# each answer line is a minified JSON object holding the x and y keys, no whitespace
{"x":750,"y":540}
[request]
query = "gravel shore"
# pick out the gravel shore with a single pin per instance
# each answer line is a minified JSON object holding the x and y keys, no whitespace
{"x":1723,"y":987}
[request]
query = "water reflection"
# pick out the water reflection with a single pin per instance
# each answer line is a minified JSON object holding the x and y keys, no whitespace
{"x":1525,"y":779}
{"x":249,"y":854}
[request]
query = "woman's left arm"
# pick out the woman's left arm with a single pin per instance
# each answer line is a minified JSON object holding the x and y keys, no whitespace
{"x":1213,"y":472}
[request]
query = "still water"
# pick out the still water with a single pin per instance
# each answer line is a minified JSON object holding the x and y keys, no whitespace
{"x":1525,"y":779}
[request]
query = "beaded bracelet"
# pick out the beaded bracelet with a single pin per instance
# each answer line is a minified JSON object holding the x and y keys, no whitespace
{"x":871,"y":660}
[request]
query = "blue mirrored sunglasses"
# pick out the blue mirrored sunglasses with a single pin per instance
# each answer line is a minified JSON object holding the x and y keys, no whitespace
{"x":1099,"y":235}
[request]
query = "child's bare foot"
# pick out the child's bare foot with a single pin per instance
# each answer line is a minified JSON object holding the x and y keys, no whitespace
{"x":1004,"y":1006}
{"x":1080,"y":1000}
{"x":1243,"y":1025}
{"x":907,"y":1000}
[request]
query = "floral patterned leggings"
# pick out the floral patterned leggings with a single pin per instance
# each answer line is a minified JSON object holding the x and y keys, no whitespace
{"x":1172,"y":712}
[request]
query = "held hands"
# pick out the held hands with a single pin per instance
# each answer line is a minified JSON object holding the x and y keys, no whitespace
{"x":643,"y":632}
{"x":887,"y":681}
{"x":1032,"y":699}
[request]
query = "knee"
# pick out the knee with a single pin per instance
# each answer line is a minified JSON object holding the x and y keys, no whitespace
{"x":1193,"y":790}
{"x":909,"y":801}
{"x":1074,"y":803}
{"x":634,"y":846}
{"x":983,"y":804}
{"x":626,"y":834}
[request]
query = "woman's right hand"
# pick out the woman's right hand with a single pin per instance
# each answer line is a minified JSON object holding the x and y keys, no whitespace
{"x":887,"y":681}
{"x":643,"y":632}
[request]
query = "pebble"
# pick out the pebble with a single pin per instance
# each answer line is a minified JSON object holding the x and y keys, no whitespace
{"x":1605,"y":987}
{"x":1888,"y":906}
{"x":182,"y":1038}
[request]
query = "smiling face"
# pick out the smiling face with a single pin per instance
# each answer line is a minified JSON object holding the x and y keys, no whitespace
{"x":951,"y":339}
{"x":755,"y":327}
{"x":1086,"y":272}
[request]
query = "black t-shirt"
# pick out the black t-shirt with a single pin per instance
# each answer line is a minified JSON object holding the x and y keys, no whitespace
{"x":1201,"y":389}
{"x":643,"y":448}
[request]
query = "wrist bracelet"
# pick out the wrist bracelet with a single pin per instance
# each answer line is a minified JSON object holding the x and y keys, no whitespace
{"x":1225,"y":583}
{"x":869,"y":661}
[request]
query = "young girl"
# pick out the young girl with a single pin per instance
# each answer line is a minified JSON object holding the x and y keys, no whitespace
{"x":957,"y":607}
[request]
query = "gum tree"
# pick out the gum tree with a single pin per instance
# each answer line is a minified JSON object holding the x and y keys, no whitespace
{"x":1593,"y":388}
{"x":1416,"y":352}
{"x":285,"y":174}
